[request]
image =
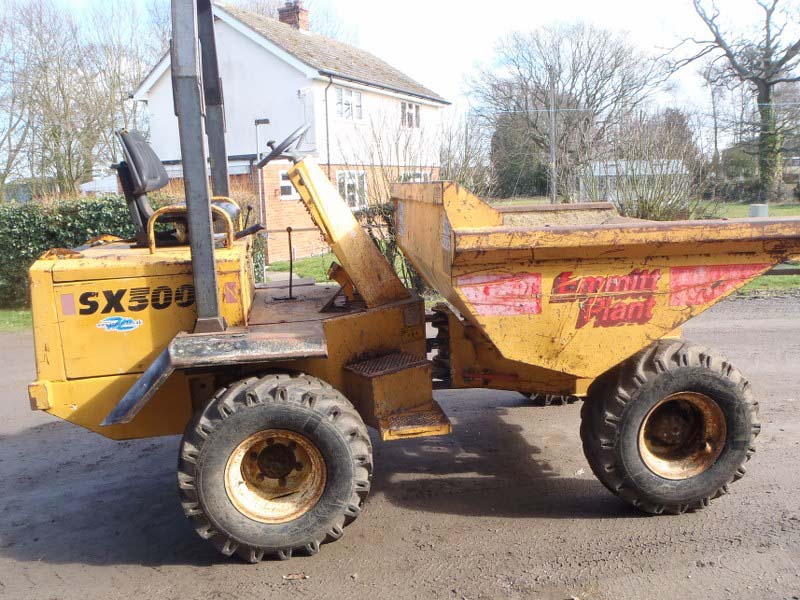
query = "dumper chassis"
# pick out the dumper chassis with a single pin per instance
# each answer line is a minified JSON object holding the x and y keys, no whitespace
{"x":274,"y":386}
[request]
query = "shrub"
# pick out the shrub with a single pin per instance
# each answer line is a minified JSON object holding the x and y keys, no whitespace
{"x":28,"y":230}
{"x":739,"y":190}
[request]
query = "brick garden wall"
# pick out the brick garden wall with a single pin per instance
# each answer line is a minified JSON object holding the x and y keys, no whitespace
{"x":282,"y":213}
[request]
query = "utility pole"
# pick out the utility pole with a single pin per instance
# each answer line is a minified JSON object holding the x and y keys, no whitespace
{"x":553,"y":187}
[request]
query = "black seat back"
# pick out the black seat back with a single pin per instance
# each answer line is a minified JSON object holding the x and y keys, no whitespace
{"x":140,"y":173}
{"x":147,"y":172}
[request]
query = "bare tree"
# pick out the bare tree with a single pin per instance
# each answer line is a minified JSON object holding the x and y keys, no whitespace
{"x":466,"y":153}
{"x":116,"y":46}
{"x":656,"y":169}
{"x":65,"y":86}
{"x":14,"y":97}
{"x":158,"y":24}
{"x":326,"y":21}
{"x":386,"y":152}
{"x":65,"y":122}
{"x":762,"y":64}
{"x":590,"y":78}
{"x":266,"y":8}
{"x":323,"y":18}
{"x":710,"y":78}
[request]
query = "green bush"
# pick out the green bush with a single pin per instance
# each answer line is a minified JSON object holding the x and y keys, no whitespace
{"x":259,"y":257}
{"x":28,"y":230}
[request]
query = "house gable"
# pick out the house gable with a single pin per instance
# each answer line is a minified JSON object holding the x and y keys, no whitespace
{"x":220,"y":14}
{"x":313,"y":55}
{"x":258,"y":85}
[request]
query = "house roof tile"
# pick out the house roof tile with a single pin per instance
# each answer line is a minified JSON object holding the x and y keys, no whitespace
{"x":331,"y":57}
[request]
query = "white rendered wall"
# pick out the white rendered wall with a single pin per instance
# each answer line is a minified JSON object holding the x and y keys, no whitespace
{"x":256,"y":84}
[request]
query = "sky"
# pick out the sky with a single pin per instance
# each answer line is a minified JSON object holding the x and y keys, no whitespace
{"x":441,"y":43}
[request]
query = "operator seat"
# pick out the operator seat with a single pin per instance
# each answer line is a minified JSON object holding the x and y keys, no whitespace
{"x":142,"y":172}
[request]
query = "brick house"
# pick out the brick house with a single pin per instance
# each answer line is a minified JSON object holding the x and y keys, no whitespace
{"x":370,"y":124}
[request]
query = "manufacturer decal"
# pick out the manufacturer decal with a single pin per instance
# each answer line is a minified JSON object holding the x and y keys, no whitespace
{"x":609,"y":300}
{"x":503,"y":294}
{"x":695,"y":286}
{"x":129,"y":300}
{"x":119,"y":324}
{"x":230,"y":292}
{"x":68,"y":305}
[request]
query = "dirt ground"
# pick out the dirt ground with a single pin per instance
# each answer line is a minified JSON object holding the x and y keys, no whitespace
{"x":504,"y":508}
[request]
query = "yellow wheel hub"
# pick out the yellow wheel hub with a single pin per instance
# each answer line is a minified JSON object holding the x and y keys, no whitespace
{"x":275,"y":476}
{"x":682,"y":435}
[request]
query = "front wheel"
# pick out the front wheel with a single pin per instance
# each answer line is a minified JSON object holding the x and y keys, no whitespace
{"x":274,"y":465}
{"x":670,"y":429}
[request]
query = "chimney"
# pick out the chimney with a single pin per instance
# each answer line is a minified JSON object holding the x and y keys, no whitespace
{"x":292,"y":13}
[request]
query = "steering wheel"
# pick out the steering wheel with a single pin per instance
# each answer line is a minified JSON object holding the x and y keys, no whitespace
{"x":281,"y":149}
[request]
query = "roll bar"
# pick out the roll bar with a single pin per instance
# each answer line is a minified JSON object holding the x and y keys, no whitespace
{"x":193,"y":55}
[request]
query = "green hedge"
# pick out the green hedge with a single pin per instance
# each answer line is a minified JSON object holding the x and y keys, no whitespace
{"x":28,"y":230}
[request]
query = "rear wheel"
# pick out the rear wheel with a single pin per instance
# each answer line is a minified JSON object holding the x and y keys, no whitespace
{"x":671,"y":429}
{"x":274,"y":465}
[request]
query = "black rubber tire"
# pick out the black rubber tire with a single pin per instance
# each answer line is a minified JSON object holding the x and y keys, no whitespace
{"x":538,"y":399}
{"x":619,"y":401}
{"x":298,"y":403}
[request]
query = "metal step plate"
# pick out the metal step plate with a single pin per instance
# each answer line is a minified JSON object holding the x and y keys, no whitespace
{"x":384,"y":365}
{"x":417,"y":423}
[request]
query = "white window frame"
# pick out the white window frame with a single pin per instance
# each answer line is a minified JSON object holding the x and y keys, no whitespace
{"x":356,"y":200}
{"x":409,"y":115}
{"x":349,"y":104}
{"x":283,"y":180}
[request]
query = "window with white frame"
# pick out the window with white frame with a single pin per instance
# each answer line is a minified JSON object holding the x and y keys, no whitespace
{"x":353,"y":188}
{"x":287,"y":188}
{"x":409,"y":114}
{"x":348,"y":104}
{"x":415,"y":177}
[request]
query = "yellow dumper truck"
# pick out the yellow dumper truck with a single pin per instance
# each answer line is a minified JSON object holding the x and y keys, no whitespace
{"x":273,"y":387}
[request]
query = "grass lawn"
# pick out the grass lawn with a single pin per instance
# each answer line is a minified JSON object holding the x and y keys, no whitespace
{"x":773,"y":283}
{"x":313,"y":266}
{"x":726,"y":210}
{"x":14,"y":320}
{"x":742,"y":211}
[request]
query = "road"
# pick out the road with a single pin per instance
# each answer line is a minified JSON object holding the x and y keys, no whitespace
{"x":504,"y":508}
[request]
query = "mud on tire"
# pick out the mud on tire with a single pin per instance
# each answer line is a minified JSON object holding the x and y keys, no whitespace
{"x":618,"y":408}
{"x":304,"y":408}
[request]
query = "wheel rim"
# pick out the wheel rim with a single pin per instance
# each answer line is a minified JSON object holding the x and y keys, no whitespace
{"x":682,"y":436}
{"x":275,"y":476}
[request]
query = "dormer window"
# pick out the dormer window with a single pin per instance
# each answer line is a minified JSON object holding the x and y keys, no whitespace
{"x":409,"y":115}
{"x":348,"y":104}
